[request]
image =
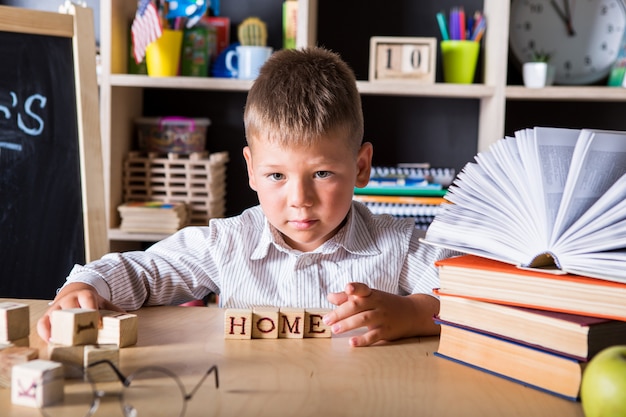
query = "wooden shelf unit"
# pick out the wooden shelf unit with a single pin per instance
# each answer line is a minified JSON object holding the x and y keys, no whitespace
{"x":122,"y":95}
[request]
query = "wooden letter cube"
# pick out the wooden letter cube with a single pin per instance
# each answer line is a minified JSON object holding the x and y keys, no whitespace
{"x":313,"y":324}
{"x":291,"y":323}
{"x":11,"y":356}
{"x":238,"y":323}
{"x":265,"y":323}
{"x":103,"y":372}
{"x":14,"y":321}
{"x":76,"y":326}
{"x":37,"y":383}
{"x":72,"y":355}
{"x":118,"y":328}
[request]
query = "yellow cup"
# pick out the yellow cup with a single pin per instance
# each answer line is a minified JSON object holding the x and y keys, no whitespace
{"x":163,"y":55}
{"x":459,"y":61}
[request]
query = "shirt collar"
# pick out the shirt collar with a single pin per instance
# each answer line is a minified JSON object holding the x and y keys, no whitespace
{"x":354,"y":237}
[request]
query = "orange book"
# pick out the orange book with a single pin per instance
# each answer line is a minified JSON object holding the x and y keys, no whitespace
{"x":485,"y":279}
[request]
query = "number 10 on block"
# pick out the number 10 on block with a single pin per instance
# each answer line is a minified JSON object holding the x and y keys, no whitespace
{"x":393,"y":58}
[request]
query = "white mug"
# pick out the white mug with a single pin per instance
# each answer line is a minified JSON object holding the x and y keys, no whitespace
{"x":250,"y":59}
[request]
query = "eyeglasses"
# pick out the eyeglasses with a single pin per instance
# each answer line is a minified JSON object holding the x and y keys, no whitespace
{"x":149,"y":391}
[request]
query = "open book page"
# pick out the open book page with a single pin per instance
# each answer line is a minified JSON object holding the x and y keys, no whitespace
{"x":595,"y":244}
{"x":598,"y":161}
{"x":547,"y":155}
{"x":486,"y":203}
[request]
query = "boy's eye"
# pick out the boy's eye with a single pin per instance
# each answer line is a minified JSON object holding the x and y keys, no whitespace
{"x":323,"y":174}
{"x":276,"y":176}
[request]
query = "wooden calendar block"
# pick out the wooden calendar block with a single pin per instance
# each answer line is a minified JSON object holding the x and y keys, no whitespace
{"x":238,"y":323}
{"x":37,"y":383}
{"x":313,"y":324}
{"x":103,"y":372}
{"x":11,"y":356}
{"x":291,"y":323}
{"x":402,"y":58}
{"x":14,"y":321}
{"x":118,"y":328}
{"x":265,"y":322}
{"x":75,"y":326}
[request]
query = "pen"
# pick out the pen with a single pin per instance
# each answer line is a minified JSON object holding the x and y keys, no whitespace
{"x":461,"y":24}
{"x":442,"y":26}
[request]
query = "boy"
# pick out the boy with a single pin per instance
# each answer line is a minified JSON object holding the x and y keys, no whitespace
{"x":307,"y":244}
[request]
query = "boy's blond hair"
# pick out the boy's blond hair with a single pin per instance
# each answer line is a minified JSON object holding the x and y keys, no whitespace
{"x":302,"y":95}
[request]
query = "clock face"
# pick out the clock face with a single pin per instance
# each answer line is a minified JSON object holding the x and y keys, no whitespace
{"x":583,"y":37}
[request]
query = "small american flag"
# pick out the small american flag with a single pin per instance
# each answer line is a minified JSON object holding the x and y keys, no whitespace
{"x":146,"y":28}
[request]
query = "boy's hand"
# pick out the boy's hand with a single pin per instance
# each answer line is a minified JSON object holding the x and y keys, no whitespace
{"x":74,"y":295}
{"x":386,"y":316}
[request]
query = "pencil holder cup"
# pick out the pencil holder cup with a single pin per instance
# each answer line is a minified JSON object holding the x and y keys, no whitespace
{"x":163,"y":55}
{"x":459,"y":60}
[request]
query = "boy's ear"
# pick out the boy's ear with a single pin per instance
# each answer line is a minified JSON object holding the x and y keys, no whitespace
{"x":364,"y":164}
{"x":247,"y":155}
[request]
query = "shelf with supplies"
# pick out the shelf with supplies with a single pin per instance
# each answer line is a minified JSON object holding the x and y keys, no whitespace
{"x":124,"y":96}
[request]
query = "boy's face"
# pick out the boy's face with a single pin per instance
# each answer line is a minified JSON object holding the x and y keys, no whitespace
{"x":306,"y":192}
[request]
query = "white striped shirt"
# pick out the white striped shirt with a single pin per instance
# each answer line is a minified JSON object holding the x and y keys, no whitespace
{"x":247,"y":263}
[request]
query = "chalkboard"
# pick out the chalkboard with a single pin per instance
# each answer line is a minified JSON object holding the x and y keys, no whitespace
{"x":52,"y":212}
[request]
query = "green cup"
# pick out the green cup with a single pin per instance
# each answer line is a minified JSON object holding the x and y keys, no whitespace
{"x":459,"y":61}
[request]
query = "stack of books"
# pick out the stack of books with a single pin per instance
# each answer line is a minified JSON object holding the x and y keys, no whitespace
{"x":541,"y":287}
{"x":152,"y":217}
{"x":407,"y":190}
{"x":533,"y":327}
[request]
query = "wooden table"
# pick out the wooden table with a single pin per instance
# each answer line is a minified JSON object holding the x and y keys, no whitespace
{"x":310,"y":377}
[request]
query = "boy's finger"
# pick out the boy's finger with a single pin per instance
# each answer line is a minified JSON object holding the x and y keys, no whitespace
{"x":358,"y":289}
{"x":337,"y":298}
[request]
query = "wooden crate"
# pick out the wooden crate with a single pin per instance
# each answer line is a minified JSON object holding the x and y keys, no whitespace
{"x":197,"y":179}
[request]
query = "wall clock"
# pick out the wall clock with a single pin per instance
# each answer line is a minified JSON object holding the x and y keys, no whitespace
{"x":583,"y":37}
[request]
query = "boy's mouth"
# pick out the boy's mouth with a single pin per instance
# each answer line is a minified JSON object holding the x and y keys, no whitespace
{"x":302,"y":224}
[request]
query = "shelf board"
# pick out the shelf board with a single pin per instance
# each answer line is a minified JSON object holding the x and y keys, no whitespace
{"x":193,"y":83}
{"x":117,"y":234}
{"x":407,"y":88}
{"x":566,"y":93}
{"x":365,"y":87}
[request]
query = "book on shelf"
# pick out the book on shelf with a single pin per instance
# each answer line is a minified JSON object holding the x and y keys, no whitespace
{"x":550,"y":198}
{"x":407,"y":180}
{"x":489,"y":280}
{"x":536,"y":368}
{"x":152,"y":217}
{"x":421,"y":209}
{"x":573,"y":335}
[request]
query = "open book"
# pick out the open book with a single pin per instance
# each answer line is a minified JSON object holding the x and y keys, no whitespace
{"x":546,"y":198}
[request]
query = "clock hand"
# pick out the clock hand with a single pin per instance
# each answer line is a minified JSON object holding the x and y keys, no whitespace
{"x":566,"y":18}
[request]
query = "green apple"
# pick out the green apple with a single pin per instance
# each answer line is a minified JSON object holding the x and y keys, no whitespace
{"x":603,"y":387}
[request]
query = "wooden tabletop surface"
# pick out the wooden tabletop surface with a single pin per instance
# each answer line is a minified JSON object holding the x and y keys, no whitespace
{"x":309,"y":377}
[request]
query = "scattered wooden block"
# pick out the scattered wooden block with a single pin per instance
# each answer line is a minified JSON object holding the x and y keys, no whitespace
{"x":101,"y":373}
{"x":291,"y":323}
{"x":265,"y":322}
{"x":37,"y":383}
{"x":14,"y":321}
{"x":23,"y":342}
{"x":11,"y":356}
{"x":72,"y":355}
{"x":313,"y":324}
{"x":76,"y":326}
{"x":238,"y":323}
{"x":118,"y":328}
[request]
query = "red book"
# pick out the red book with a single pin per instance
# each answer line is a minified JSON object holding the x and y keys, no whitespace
{"x":488,"y":280}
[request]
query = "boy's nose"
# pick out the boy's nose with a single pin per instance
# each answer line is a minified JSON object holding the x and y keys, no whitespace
{"x":299,"y":193}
